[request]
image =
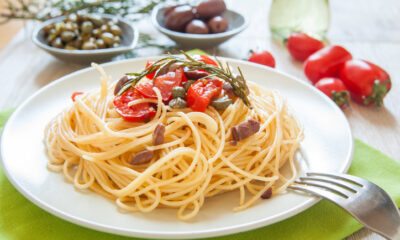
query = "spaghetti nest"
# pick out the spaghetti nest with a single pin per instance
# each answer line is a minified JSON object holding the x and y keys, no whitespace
{"x":92,"y":145}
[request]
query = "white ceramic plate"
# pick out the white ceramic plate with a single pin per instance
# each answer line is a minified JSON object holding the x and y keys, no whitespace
{"x":328,"y":146}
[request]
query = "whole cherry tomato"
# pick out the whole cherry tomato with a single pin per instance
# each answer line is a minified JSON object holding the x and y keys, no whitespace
{"x":326,"y":62}
{"x":301,"y":46}
{"x":201,"y":92}
{"x":367,"y":82}
{"x":263,"y":57}
{"x":134,"y":113}
{"x":335,"y":89}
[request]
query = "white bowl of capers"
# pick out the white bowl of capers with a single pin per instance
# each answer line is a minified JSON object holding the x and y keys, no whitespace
{"x":86,"y":38}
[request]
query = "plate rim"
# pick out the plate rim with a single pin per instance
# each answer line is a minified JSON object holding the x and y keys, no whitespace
{"x":222,"y":231}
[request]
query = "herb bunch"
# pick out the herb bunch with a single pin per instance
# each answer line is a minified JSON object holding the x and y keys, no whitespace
{"x":237,"y":82}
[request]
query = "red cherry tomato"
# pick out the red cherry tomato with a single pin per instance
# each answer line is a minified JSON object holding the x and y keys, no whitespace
{"x":263,"y":57}
{"x":148,"y":64}
{"x":184,"y":78}
{"x":301,"y":46}
{"x":205,"y":59}
{"x":367,"y":82}
{"x":335,"y":89}
{"x":73,"y":96}
{"x":134,"y":113}
{"x":326,"y":62}
{"x":165,"y":83}
{"x":146,"y":89}
{"x":201,"y":92}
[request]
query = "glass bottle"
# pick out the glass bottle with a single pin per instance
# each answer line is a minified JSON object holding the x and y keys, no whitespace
{"x":309,"y":16}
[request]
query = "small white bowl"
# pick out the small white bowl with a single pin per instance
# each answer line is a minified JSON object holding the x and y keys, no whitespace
{"x":237,"y":23}
{"x":129,"y":39}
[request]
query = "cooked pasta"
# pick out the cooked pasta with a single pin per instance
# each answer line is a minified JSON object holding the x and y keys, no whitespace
{"x":92,"y":146}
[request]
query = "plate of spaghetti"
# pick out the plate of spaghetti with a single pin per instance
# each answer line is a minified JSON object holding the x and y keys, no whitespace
{"x":173,"y":146}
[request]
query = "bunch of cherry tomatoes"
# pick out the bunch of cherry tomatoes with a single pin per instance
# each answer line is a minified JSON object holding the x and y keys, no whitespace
{"x":333,"y":70}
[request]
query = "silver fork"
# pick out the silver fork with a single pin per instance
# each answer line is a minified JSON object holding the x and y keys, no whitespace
{"x":365,"y":201}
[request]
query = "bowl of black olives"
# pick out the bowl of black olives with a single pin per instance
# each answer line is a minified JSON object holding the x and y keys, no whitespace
{"x":86,"y":38}
{"x":205,"y":25}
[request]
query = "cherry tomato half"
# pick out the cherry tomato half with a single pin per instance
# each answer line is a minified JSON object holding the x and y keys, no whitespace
{"x":301,"y":46}
{"x":263,"y":57}
{"x":205,"y":59}
{"x":335,"y":89}
{"x":134,"y":113}
{"x":367,"y":82}
{"x":326,"y":62}
{"x":148,"y":64}
{"x":165,"y":83}
{"x":201,"y":92}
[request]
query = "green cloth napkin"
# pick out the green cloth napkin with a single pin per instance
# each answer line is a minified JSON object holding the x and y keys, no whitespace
{"x":21,"y":219}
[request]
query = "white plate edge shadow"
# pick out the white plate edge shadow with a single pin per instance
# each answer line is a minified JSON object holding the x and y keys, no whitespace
{"x":200,"y":234}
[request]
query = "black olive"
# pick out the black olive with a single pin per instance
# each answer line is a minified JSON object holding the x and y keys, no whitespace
{"x":179,"y":17}
{"x":197,"y":26}
{"x":210,"y":8}
{"x":218,"y":24}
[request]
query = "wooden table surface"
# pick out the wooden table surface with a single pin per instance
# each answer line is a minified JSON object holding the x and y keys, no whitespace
{"x":370,"y":29}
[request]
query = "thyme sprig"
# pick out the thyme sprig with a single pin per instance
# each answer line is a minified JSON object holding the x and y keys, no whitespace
{"x":237,"y":82}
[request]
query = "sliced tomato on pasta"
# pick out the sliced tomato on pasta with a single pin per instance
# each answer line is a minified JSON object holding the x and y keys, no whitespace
{"x":205,"y":59}
{"x":148,"y":64}
{"x":134,"y":113}
{"x":201,"y":92}
{"x":165,"y":83}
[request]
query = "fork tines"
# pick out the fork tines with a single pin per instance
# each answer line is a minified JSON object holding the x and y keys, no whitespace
{"x":340,"y":185}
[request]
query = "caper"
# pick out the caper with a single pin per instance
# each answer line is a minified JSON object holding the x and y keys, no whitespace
{"x":96,"y":32}
{"x":53,"y":33}
{"x":48,"y":28}
{"x":77,"y":43}
{"x":75,"y":26}
{"x":86,"y":37}
{"x":116,"y":30}
{"x":79,"y":18}
{"x":221,"y":103}
{"x":100,"y":43}
{"x":85,"y":17}
{"x":87,"y":27}
{"x":178,"y":92}
{"x":69,"y":26}
{"x":88,"y":45}
{"x":187,"y":84}
{"x":117,"y":39}
{"x":72,"y":17}
{"x":177,"y":103}
{"x":97,"y":20}
{"x":59,"y":27}
{"x":57,"y":43}
{"x":70,"y":47}
{"x":108,"y":38}
{"x":49,"y":39}
{"x":104,"y":28}
{"x":67,"y":36}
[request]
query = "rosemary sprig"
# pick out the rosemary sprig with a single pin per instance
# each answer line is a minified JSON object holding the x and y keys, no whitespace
{"x":237,"y":82}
